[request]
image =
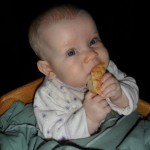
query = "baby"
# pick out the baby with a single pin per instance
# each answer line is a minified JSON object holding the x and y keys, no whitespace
{"x":67,"y":42}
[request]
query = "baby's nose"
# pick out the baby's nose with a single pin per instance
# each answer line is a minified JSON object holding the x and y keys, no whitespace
{"x":89,"y":56}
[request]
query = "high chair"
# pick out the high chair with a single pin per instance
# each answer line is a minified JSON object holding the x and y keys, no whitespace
{"x":26,"y":92}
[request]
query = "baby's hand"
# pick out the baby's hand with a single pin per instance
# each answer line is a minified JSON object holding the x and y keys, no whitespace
{"x":110,"y":87}
{"x":96,"y":107}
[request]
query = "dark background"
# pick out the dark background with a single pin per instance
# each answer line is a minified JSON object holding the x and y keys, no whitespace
{"x":115,"y":21}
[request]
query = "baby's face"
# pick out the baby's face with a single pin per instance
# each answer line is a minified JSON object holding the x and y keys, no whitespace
{"x":73,"y":48}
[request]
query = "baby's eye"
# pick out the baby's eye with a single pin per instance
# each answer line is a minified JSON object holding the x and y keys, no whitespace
{"x":93,"y":41}
{"x":71,"y":52}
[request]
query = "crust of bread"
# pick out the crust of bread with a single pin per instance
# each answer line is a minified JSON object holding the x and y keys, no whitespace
{"x":94,"y":84}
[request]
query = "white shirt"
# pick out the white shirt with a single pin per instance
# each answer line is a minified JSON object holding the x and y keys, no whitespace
{"x":58,"y":107}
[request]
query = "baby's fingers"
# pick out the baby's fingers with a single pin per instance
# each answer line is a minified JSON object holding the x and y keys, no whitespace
{"x":106,"y":77}
{"x":103,"y":103}
{"x":111,"y":81}
{"x":110,"y":90}
{"x":90,"y":95}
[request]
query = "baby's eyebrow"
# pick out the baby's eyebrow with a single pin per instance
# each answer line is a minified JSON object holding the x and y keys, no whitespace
{"x":96,"y":33}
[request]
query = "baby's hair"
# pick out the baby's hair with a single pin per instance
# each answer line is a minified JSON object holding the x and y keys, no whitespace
{"x":49,"y":17}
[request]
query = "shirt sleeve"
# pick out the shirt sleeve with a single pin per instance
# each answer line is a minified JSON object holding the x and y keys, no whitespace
{"x":129,"y":87}
{"x":59,"y":121}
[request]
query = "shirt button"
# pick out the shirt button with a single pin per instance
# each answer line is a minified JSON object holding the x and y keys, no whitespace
{"x":74,"y":106}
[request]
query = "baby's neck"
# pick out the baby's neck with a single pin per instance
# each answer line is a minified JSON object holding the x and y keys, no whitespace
{"x":79,"y":89}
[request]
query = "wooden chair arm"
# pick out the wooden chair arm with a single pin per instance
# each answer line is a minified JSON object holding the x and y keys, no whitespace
{"x":143,"y":108}
{"x":24,"y":93}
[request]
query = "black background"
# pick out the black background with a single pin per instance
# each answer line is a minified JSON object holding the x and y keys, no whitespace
{"x":115,"y":22}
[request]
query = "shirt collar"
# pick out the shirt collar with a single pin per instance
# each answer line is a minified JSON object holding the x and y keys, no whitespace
{"x":81,"y":89}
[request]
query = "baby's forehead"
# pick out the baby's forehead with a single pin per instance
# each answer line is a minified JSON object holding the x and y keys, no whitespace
{"x":77,"y":19}
{"x":81,"y":22}
{"x":50,"y":24}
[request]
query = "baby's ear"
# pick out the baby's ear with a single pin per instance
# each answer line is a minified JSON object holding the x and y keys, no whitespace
{"x":46,"y":69}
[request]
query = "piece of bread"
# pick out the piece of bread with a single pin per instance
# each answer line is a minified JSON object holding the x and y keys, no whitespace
{"x":94,"y":84}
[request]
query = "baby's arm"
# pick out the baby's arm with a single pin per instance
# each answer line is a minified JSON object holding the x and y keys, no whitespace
{"x":121,"y":90}
{"x":96,"y":109}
